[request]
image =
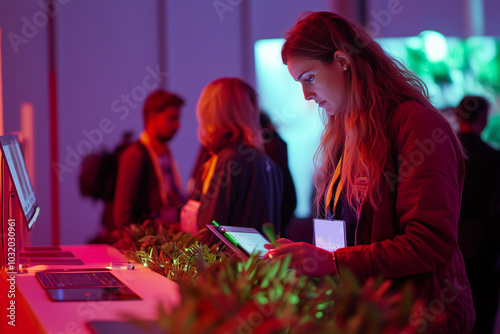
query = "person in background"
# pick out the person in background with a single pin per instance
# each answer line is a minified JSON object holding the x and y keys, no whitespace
{"x":479,"y":224}
{"x":148,"y":185}
{"x":276,"y":149}
{"x":239,"y":185}
{"x":390,"y":167}
{"x":108,"y":181}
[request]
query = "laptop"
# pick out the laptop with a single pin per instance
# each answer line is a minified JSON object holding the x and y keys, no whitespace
{"x":124,"y":327}
{"x":84,"y":284}
{"x":13,"y":159}
{"x":60,"y":284}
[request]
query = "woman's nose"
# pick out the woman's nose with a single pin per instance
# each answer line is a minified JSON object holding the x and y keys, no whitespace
{"x":308,"y":95}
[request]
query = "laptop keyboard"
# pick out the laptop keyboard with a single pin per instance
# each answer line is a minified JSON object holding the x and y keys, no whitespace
{"x":79,"y":279}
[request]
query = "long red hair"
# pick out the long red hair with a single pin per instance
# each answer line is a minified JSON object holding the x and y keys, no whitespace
{"x":376,"y":85}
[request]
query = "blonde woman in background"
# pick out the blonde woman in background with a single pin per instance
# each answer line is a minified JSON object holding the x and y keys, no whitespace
{"x":239,"y":185}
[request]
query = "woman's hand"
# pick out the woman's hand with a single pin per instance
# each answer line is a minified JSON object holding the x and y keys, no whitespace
{"x":306,"y":258}
{"x":280,"y":242}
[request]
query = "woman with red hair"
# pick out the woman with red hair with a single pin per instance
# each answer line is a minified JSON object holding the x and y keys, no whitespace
{"x":390,"y":167}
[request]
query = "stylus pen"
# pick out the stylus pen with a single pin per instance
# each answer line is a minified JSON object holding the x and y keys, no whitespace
{"x":226,"y":233}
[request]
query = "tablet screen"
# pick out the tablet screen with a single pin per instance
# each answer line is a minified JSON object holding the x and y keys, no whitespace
{"x":251,"y":242}
{"x":249,"y":239}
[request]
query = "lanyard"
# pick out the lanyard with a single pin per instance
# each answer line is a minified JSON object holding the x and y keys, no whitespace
{"x":329,"y":193}
{"x":162,"y":188}
{"x":208,"y":173}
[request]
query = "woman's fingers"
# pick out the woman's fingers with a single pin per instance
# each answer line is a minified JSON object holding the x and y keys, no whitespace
{"x":292,"y":248}
{"x":284,"y":241}
{"x":307,"y":259}
{"x":280,"y":242}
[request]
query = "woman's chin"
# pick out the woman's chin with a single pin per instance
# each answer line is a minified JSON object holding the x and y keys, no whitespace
{"x":331,"y":111}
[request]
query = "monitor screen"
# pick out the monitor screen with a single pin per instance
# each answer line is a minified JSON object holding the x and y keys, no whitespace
{"x":13,"y":158}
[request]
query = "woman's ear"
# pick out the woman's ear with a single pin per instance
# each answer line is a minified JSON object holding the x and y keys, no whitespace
{"x":342,"y":59}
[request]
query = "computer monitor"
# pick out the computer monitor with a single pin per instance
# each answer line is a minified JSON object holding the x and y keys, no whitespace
{"x":13,"y":159}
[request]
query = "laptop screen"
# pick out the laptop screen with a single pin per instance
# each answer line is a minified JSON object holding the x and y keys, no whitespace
{"x":19,"y":175}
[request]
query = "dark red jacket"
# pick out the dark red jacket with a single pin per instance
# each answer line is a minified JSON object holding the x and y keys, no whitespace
{"x":412,"y":235}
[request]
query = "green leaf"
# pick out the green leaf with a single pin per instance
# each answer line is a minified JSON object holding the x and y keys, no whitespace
{"x":268,"y":230}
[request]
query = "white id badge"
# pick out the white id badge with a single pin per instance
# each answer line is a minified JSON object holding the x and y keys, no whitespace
{"x":329,"y":234}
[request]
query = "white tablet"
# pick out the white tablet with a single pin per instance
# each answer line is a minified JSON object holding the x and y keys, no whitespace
{"x":248,"y":240}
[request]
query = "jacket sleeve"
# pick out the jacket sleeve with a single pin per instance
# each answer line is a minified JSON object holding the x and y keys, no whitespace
{"x":127,"y":191}
{"x":427,"y":190}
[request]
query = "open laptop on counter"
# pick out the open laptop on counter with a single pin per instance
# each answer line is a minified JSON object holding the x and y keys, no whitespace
{"x":60,"y":284}
{"x":84,"y":284}
{"x":13,"y":164}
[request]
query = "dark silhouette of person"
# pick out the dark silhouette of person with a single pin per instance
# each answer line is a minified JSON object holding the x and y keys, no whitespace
{"x":98,"y":180}
{"x":276,"y":149}
{"x":479,"y":222}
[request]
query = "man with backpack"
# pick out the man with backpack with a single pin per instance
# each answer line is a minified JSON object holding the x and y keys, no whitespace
{"x":97,"y":180}
{"x":148,"y":184}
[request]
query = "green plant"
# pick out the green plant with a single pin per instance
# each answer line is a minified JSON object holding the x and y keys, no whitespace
{"x":222,"y":293}
{"x":173,"y":254}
